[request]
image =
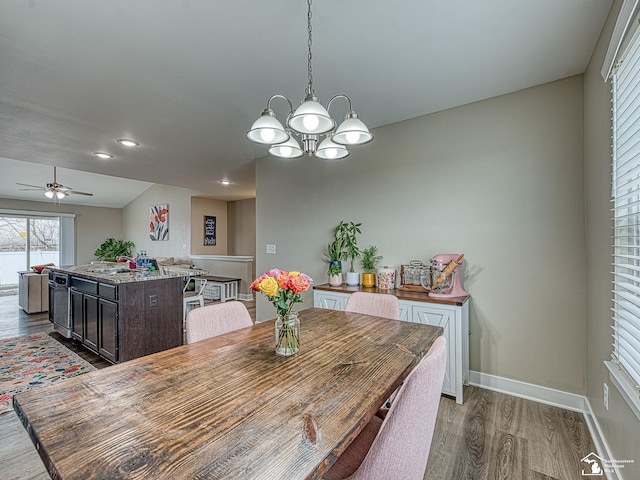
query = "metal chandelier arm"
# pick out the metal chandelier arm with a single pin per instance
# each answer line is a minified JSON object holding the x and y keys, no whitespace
{"x":340,"y":95}
{"x":284,"y":97}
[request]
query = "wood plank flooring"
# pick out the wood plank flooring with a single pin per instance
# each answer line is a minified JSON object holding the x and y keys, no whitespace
{"x":492,"y":436}
{"x":498,"y":436}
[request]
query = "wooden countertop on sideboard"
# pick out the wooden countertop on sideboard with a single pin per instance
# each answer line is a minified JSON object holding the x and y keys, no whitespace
{"x":402,"y":294}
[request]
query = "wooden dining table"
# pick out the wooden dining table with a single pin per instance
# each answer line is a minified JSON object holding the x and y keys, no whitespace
{"x":227,"y":407}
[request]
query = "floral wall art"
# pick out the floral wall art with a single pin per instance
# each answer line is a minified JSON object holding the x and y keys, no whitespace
{"x":159,"y":222}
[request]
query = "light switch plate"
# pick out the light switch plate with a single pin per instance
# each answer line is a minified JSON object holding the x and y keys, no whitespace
{"x":271,"y":249}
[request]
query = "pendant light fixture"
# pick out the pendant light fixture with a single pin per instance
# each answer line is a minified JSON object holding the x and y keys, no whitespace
{"x":309,"y":121}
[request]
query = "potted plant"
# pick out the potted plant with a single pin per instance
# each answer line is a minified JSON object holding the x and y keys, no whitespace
{"x":370,"y":261}
{"x":334,"y":257}
{"x":111,"y":249}
{"x":347,"y":233}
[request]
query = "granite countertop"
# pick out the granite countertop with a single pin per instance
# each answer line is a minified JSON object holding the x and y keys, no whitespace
{"x":117,"y":273}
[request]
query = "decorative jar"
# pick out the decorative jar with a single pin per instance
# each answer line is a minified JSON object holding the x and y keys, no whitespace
{"x":287,"y":334}
{"x":386,"y":278}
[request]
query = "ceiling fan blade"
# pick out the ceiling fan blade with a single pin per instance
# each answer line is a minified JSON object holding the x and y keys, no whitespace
{"x":30,"y":189}
{"x":75,"y":192}
{"x":32,"y":186}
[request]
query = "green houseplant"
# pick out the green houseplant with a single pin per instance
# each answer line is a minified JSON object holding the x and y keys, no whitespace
{"x":111,"y":249}
{"x":370,"y":259}
{"x":347,"y":233}
{"x":334,"y":255}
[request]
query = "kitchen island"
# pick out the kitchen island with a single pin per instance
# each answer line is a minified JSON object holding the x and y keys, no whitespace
{"x":121,"y":314}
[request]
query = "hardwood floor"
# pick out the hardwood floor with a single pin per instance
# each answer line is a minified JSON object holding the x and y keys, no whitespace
{"x":492,"y":436}
{"x":498,"y":436}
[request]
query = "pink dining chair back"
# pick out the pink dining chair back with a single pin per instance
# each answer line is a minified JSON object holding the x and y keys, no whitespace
{"x":401,"y":447}
{"x":378,"y":304}
{"x":212,"y":320}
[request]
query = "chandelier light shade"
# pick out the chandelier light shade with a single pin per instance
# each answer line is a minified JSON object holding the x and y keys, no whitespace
{"x":329,"y":150}
{"x":352,"y":132}
{"x":289,"y":149}
{"x":309,"y":121}
{"x":267,"y":130}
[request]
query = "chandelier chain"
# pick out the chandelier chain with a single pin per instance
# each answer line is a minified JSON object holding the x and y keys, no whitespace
{"x":309,"y":43}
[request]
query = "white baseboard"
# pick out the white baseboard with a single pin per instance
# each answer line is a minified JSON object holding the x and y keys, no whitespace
{"x":549,"y":396}
{"x":602,"y":447}
{"x":569,"y":401}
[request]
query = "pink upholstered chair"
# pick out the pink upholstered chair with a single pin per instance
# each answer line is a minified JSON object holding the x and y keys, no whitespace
{"x":378,"y":304}
{"x":398,"y":446}
{"x":216,"y":319}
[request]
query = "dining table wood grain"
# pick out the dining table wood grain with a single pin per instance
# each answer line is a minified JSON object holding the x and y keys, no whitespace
{"x":227,"y":407}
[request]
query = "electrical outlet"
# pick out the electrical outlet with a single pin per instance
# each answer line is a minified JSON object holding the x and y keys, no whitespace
{"x":270,"y":249}
{"x":153,"y":300}
{"x":606,"y":396}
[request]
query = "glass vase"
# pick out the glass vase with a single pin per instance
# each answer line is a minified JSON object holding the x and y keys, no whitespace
{"x":287,"y":334}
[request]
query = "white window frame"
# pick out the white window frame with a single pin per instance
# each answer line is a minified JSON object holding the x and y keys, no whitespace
{"x":624,"y":367}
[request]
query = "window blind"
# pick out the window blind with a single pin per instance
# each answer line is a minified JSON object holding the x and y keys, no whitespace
{"x":626,"y":213}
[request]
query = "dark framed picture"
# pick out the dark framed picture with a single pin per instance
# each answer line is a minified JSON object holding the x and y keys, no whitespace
{"x":209,"y":231}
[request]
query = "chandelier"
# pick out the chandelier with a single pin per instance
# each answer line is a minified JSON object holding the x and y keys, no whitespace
{"x":309,"y":121}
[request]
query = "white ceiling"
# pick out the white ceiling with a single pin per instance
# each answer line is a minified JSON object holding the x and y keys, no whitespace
{"x":188,"y":78}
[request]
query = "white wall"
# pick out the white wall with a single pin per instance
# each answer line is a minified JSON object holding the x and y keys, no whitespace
{"x":136,"y":221}
{"x":499,"y":180}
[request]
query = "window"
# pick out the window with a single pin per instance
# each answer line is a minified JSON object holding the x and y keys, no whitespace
{"x":34,"y":238}
{"x":626,"y":235}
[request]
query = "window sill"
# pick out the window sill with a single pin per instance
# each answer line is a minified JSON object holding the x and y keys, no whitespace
{"x":625,"y":387}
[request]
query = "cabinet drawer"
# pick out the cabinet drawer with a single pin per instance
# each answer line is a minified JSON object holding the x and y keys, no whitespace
{"x":108,"y":291}
{"x":84,"y":285}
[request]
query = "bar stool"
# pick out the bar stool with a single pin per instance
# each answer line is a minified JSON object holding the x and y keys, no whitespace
{"x":191,"y":300}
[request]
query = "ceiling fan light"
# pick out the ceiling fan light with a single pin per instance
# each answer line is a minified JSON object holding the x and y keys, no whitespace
{"x":289,"y":149}
{"x":267,"y":130}
{"x":49,"y":193}
{"x":352,"y":131}
{"x":60,"y":195}
{"x":311,"y":118}
{"x":330,"y":150}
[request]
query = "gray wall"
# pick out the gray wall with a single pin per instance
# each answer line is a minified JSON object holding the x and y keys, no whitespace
{"x":500,"y":180}
{"x":619,"y":424}
{"x":93,"y":224}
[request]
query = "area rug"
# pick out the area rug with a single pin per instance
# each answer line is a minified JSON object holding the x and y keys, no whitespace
{"x":34,"y":361}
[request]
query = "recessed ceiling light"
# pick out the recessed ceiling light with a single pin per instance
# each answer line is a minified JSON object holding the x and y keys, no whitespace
{"x":103,"y":155}
{"x":128,"y":143}
{"x":225,"y":182}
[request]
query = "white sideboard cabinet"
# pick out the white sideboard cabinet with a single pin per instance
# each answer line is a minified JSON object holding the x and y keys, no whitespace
{"x":452,"y":314}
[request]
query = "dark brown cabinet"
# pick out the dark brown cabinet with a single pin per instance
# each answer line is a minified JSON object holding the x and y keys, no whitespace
{"x":91,"y":320}
{"x":77,"y":319}
{"x":84,"y":311}
{"x":108,"y":333}
{"x":124,"y":321}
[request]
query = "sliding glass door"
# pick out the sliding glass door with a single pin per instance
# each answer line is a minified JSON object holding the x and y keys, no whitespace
{"x":26,"y":241}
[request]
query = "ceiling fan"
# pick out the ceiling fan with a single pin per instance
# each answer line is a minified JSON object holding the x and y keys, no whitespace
{"x":54,"y":189}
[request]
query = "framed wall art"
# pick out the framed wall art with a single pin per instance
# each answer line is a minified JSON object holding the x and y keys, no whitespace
{"x":159,"y":222}
{"x":209,"y":231}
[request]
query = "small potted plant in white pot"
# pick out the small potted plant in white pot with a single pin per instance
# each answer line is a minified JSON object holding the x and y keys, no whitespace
{"x":346,"y":233}
{"x":370,"y":261}
{"x":334,"y":257}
